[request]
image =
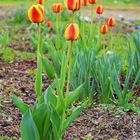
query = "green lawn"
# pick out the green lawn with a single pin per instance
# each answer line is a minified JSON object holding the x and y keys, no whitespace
{"x":109,"y":3}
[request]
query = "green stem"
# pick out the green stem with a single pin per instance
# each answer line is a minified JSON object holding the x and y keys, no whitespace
{"x":92,"y":15}
{"x":111,"y":39}
{"x":99,"y":34}
{"x":38,"y":81}
{"x":68,"y":61}
{"x":64,"y":68}
{"x":73,"y":17}
{"x":69,"y":69}
{"x":57,"y":31}
{"x":91,"y":25}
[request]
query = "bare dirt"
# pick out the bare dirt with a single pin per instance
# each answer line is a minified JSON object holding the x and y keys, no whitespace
{"x":118,"y":14}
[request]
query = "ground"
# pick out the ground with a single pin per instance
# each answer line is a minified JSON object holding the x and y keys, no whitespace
{"x":98,"y":122}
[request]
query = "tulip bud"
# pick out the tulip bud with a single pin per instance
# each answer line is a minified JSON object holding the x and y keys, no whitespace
{"x":40,"y":1}
{"x":73,"y":5}
{"x":57,"y":7}
{"x":92,"y":1}
{"x":111,"y":21}
{"x":48,"y":24}
{"x":36,"y":13}
{"x":104,"y":29}
{"x":99,"y":9}
{"x":71,"y":32}
{"x":85,"y":2}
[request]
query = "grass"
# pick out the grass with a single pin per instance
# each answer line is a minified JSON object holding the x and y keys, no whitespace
{"x":115,"y":3}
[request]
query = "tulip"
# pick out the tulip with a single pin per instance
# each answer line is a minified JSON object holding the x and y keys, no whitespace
{"x":57,"y":7}
{"x":104,"y":29}
{"x":99,"y":9}
{"x":111,"y":21}
{"x":71,"y":32}
{"x":36,"y":13}
{"x":48,"y":24}
{"x":85,"y":2}
{"x":92,"y":1}
{"x":73,"y":5}
{"x":40,"y":1}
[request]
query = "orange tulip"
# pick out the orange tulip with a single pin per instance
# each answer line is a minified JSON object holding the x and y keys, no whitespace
{"x":73,"y":5}
{"x":57,"y":7}
{"x":48,"y":24}
{"x":92,"y":1}
{"x":111,"y":21}
{"x":104,"y":29}
{"x":71,"y":32}
{"x":85,"y":2}
{"x":40,"y":1}
{"x":99,"y":9}
{"x":36,"y":13}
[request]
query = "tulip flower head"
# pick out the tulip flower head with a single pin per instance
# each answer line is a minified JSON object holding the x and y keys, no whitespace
{"x":57,"y":7}
{"x":104,"y":29}
{"x":48,"y":24}
{"x":99,"y":9}
{"x":73,"y":5}
{"x":36,"y":13}
{"x":71,"y":32}
{"x":85,"y":2}
{"x":40,"y":1}
{"x":111,"y":21}
{"x":92,"y":1}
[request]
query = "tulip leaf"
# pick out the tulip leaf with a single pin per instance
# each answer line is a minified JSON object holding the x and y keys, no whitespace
{"x":48,"y":67}
{"x":20,"y":104}
{"x":29,"y":130}
{"x":50,"y":97}
{"x":56,"y":123}
{"x":74,"y":115}
{"x":73,"y":96}
{"x":41,"y":117}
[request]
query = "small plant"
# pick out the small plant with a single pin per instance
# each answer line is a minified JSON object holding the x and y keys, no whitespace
{"x":124,"y":93}
{"x":19,"y":15}
{"x":4,"y":39}
{"x":84,"y":71}
{"x":104,"y":68}
{"x":136,"y":53}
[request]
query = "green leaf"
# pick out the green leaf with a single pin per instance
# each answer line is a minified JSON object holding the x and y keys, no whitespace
{"x":29,"y":130}
{"x":48,"y":67}
{"x":73,"y":96}
{"x":20,"y":104}
{"x":41,"y":117}
{"x":38,"y":81}
{"x":74,"y":115}
{"x":56,"y":123}
{"x":50,"y":97}
{"x":135,"y":109}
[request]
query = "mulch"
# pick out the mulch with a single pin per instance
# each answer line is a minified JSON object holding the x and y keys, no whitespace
{"x":95,"y":122}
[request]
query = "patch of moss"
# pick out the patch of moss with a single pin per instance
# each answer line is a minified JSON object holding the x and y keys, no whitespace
{"x":11,"y":55}
{"x":7,"y":138}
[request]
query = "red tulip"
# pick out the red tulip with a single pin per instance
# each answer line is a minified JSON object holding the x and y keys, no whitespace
{"x":57,"y":7}
{"x":85,"y":2}
{"x":72,"y":5}
{"x":92,"y":1}
{"x":111,"y":21}
{"x":48,"y":24}
{"x":36,"y":13}
{"x":71,"y":32}
{"x":40,"y":1}
{"x":99,"y":9}
{"x":104,"y":29}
